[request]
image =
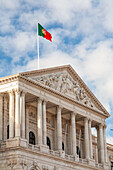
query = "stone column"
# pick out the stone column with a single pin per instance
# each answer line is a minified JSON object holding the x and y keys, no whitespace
{"x":11,"y":114}
{"x":44,"y":121}
{"x":73,"y":133}
{"x":105,"y":147}
{"x":39,"y":121}
{"x":27,"y":123}
{"x":98,"y":144}
{"x":17,"y":113}
{"x":5,"y":112}
{"x":1,"y":117}
{"x":86,"y":139}
{"x":22,"y":114}
{"x":90,"y":141}
{"x":59,"y":128}
{"x":101,"y":144}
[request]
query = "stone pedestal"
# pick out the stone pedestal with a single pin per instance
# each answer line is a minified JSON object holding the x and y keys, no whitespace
{"x":14,"y":142}
{"x":92,"y":162}
{"x":43,"y":148}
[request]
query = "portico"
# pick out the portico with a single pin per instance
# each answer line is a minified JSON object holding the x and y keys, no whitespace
{"x":57,"y":114}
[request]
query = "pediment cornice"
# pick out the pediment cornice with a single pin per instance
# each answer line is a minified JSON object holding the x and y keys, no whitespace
{"x":68,"y":85}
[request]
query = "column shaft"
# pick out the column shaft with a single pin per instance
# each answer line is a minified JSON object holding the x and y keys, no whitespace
{"x":22,"y":115}
{"x":98,"y":144}
{"x":59,"y":129}
{"x":90,"y":141}
{"x":101,"y":144}
{"x":105,"y":147}
{"x":39,"y":121}
{"x":27,"y":123}
{"x":17,"y":114}
{"x":86,"y":139}
{"x":1,"y":117}
{"x":44,"y":121}
{"x":11,"y":114}
{"x":73,"y":134}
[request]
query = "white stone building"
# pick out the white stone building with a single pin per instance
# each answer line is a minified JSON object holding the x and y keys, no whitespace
{"x":46,"y":118}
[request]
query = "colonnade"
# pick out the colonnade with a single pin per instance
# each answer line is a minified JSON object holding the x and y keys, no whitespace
{"x":18,"y":126}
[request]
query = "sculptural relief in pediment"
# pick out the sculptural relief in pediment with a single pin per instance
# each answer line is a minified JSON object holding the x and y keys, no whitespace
{"x":65,"y":84}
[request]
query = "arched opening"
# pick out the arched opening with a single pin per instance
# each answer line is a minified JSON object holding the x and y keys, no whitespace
{"x":31,"y":138}
{"x":48,"y":142}
{"x":78,"y":151}
{"x":62,"y":146}
{"x":8,"y":132}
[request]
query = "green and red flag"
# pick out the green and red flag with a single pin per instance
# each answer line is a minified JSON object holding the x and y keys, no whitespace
{"x":44,"y":33}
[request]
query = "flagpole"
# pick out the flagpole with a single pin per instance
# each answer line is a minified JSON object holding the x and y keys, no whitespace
{"x":38,"y":46}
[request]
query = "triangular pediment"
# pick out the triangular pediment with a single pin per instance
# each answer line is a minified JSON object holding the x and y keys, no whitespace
{"x":65,"y":80}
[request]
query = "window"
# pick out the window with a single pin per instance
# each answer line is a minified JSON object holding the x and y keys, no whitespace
{"x":62,"y":146}
{"x":31,"y":138}
{"x":8,"y":132}
{"x":111,"y":165}
{"x":48,"y":142}
{"x":78,"y":151}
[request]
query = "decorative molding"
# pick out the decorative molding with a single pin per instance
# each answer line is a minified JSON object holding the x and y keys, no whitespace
{"x":64,"y":83}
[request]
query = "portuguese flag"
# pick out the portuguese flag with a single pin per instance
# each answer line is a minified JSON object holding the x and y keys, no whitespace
{"x":42,"y":32}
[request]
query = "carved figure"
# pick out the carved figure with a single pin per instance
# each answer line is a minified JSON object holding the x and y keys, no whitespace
{"x":64,"y":83}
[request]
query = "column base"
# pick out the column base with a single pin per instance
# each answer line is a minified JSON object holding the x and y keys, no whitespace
{"x":14,"y":142}
{"x":91,"y":162}
{"x":74,"y":157}
{"x":62,"y":153}
{"x":106,"y":166}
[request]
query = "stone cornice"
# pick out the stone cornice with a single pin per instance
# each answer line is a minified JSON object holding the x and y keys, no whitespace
{"x":9,"y":79}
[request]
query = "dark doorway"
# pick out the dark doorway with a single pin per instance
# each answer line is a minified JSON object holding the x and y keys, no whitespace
{"x":78,"y":151}
{"x":8,"y":132}
{"x":62,"y":146}
{"x":31,"y":138}
{"x":48,"y":142}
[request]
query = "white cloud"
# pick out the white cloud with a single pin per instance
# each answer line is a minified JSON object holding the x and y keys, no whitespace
{"x":110,"y":140}
{"x":94,"y":131}
{"x":10,"y":4}
{"x":18,"y":45}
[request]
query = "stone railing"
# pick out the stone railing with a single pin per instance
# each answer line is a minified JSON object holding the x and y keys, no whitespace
{"x":45,"y":149}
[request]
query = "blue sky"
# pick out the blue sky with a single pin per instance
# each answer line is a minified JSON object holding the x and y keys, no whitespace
{"x":82,"y":34}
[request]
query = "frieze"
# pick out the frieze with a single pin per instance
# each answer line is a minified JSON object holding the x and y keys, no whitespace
{"x":64,"y":83}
